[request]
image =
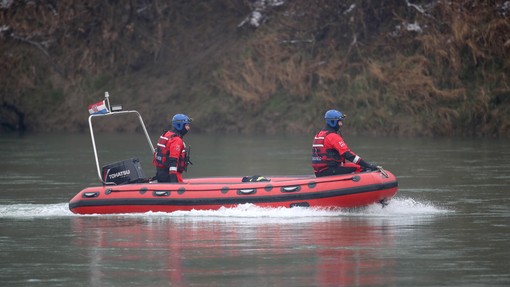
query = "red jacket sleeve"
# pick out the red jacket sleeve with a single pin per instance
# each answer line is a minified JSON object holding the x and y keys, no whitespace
{"x":175,"y":146}
{"x":334,"y":140}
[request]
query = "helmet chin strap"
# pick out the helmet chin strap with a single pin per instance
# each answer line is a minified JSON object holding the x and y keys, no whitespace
{"x":181,"y":132}
{"x":335,"y":128}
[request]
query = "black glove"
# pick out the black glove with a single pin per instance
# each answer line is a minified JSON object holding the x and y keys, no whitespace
{"x":372,"y":167}
{"x":367,"y":166}
{"x":173,"y":177}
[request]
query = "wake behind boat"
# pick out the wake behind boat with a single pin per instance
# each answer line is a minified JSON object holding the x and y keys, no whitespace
{"x":125,"y":189}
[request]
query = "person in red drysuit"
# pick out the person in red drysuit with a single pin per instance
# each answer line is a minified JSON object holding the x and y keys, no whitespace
{"x":171,"y":156}
{"x":330,"y":152}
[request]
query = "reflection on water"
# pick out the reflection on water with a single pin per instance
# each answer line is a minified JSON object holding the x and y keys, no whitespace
{"x":243,"y":246}
{"x":337,"y":252}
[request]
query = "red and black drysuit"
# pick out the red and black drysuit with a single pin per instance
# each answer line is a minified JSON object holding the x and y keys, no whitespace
{"x":329,"y":152}
{"x":171,"y":157}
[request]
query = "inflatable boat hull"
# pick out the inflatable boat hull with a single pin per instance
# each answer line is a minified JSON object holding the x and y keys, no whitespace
{"x":342,"y":191}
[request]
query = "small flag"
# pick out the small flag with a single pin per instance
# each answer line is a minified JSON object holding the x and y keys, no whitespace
{"x":98,"y":108}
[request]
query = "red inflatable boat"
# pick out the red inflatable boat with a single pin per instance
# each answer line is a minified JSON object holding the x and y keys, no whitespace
{"x":343,"y":191}
{"x":125,"y":189}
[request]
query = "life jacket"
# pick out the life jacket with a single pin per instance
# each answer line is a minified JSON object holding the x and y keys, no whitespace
{"x":162,"y":154}
{"x":322,"y":157}
{"x":184,"y":159}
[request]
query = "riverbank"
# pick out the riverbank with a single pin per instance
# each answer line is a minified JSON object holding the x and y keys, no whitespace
{"x":394,"y":68}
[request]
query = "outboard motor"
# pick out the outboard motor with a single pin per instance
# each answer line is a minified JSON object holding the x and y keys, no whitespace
{"x":123,"y":172}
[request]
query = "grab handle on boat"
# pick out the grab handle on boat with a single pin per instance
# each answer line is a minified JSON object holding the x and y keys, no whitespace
{"x":291,"y":188}
{"x":161,"y":193}
{"x":90,"y":194}
{"x":247,"y":190}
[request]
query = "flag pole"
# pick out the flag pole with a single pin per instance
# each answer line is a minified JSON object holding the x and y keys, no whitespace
{"x":107,"y":97}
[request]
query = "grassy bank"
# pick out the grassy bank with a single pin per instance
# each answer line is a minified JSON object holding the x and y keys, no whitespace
{"x":424,"y":68}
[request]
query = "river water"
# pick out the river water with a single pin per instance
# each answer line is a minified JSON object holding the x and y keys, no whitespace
{"x":449,"y":225}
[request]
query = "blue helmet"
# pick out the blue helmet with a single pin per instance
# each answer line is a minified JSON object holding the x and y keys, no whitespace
{"x":332,"y":117}
{"x":179,"y":121}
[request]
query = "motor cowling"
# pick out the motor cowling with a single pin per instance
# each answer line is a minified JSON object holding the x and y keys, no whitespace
{"x":123,"y":172}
